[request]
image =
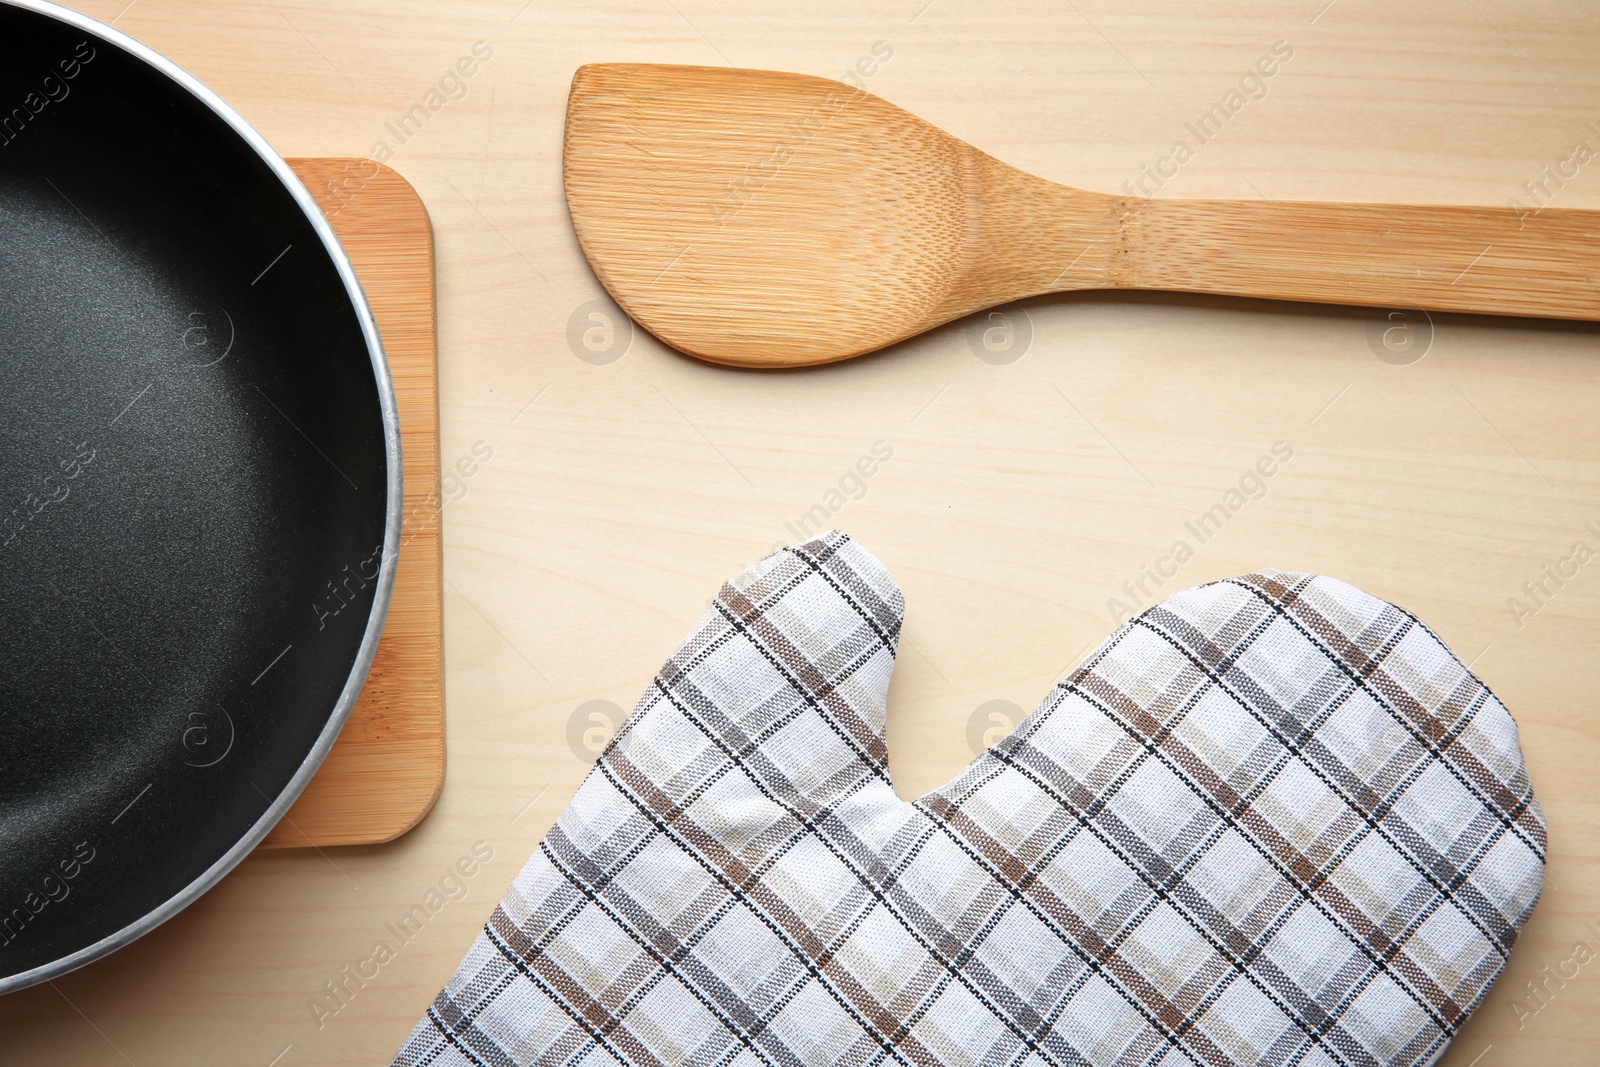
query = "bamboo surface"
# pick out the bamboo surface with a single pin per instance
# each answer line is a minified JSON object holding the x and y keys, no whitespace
{"x":1043,"y":462}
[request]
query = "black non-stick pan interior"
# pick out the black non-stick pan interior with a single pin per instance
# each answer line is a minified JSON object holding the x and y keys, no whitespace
{"x":194,"y":487}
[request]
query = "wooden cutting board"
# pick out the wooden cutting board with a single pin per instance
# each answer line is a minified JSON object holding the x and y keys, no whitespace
{"x":387,"y":767}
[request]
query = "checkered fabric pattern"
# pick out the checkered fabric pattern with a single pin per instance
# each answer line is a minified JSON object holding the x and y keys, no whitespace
{"x":1271,"y":820}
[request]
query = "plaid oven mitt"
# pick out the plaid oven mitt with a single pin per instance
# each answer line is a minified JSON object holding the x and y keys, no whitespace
{"x":1270,"y":820}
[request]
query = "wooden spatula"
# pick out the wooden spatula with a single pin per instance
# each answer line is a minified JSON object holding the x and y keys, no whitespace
{"x":768,"y":219}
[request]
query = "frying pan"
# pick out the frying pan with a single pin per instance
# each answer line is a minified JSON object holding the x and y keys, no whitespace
{"x":199,"y":489}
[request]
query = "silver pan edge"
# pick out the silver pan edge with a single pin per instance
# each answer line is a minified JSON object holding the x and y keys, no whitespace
{"x":391,"y":526}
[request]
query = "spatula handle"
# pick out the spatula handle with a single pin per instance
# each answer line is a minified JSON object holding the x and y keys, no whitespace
{"x":1497,"y":261}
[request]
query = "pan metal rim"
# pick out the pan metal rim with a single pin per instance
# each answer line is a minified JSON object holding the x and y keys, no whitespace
{"x":394,"y":485}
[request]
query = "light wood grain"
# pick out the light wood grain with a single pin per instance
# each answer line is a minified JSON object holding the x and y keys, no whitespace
{"x":387,"y":767}
{"x":767,"y":219}
{"x":1016,"y":503}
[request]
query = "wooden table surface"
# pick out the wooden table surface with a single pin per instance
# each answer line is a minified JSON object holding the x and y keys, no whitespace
{"x":609,"y":500}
